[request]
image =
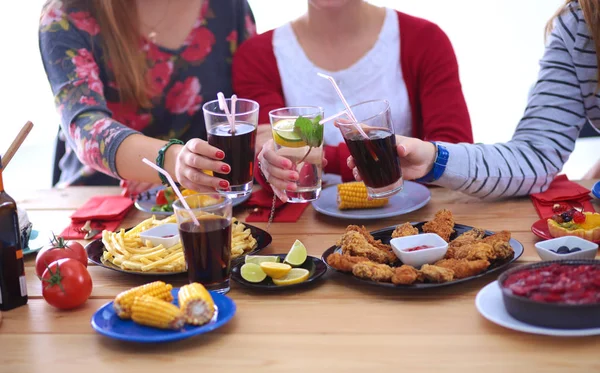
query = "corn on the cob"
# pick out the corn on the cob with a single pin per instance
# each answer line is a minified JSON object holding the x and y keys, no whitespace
{"x":124,"y":301}
{"x":354,"y":196}
{"x":196,"y":303}
{"x":150,"y":311}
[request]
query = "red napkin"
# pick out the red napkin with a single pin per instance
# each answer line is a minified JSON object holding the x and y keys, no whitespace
{"x":262,"y":200}
{"x":561,"y":190}
{"x":105,"y":212}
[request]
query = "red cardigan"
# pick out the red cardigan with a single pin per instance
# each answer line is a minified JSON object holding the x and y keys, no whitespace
{"x":429,"y":69}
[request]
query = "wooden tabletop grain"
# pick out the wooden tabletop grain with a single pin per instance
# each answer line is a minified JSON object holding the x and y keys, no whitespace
{"x":334,"y":326}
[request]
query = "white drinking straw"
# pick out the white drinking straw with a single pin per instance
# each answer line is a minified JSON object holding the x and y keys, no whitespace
{"x":323,"y":121}
{"x":350,"y":113}
{"x":233,"y":102}
{"x":174,"y":186}
{"x":223,"y":106}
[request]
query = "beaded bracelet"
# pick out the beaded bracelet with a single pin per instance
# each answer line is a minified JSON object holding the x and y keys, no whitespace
{"x":160,"y":159}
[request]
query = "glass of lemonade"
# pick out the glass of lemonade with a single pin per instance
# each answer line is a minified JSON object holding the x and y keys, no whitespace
{"x":237,"y":145}
{"x":206,"y":246}
{"x":298,"y":136}
{"x":375,"y":157}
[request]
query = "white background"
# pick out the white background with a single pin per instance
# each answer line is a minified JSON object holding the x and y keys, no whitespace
{"x":498,"y":44}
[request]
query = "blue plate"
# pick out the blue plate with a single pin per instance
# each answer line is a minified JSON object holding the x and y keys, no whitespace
{"x":412,"y":197}
{"x":596,"y":189}
{"x":146,"y":200}
{"x":106,"y":322}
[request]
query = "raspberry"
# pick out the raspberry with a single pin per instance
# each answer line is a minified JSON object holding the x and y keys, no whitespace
{"x":579,"y":217}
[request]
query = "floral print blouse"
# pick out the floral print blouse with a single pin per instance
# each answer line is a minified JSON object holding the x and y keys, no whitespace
{"x":93,"y":120}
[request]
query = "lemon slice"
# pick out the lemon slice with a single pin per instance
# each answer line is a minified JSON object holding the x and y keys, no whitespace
{"x":297,"y":254}
{"x":284,"y":135}
{"x":295,"y":276}
{"x":275,"y":270}
{"x":257,"y":259}
{"x":252,"y":272}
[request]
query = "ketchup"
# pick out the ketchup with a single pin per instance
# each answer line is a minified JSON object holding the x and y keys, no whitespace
{"x":168,"y":236}
{"x":417,"y":248}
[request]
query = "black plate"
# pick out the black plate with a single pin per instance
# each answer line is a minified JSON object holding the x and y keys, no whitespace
{"x":96,"y":248}
{"x":550,"y":315}
{"x":315,"y":266}
{"x":385,"y":236}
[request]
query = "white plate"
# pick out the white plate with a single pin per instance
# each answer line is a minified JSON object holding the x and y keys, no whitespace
{"x":412,"y":197}
{"x":490,"y":305}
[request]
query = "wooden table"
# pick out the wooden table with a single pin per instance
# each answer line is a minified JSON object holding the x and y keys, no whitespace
{"x":334,"y":326}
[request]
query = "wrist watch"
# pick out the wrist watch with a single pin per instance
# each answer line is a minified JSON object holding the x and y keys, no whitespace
{"x":439,"y":165}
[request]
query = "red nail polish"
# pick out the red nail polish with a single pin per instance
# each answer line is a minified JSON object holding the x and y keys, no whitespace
{"x":223,"y":184}
{"x":225,"y":168}
{"x":220,"y":155}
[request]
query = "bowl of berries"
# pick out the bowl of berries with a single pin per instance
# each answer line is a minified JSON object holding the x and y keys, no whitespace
{"x":566,"y":248}
{"x":569,"y":221}
{"x":561,"y":294}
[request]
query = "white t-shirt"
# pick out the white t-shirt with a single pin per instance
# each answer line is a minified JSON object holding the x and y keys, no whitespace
{"x":377,"y":75}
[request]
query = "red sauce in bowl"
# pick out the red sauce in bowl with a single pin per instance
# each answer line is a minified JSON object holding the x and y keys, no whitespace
{"x":168,"y":236}
{"x":417,"y":248}
{"x":557,"y":283}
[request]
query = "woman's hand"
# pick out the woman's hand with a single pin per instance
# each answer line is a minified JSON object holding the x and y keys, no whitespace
{"x":194,"y":159}
{"x":133,"y":188}
{"x":416,"y":158}
{"x":278,"y":171}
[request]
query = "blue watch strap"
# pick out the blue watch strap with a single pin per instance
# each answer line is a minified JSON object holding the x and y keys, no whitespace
{"x":439,"y":165}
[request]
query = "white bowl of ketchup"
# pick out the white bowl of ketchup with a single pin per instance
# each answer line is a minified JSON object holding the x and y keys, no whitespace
{"x":426,"y":248}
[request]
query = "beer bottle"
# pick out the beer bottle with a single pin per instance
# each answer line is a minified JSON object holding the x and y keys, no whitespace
{"x":13,"y":287}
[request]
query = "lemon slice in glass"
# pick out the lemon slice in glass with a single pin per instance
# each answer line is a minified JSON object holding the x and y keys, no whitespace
{"x":297,"y":255}
{"x":284,"y":135}
{"x":257,"y":259}
{"x":252,"y":272}
{"x":275,"y":270}
{"x":295,"y":276}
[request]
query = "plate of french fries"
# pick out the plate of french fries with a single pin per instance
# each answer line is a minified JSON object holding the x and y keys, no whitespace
{"x":126,"y":251}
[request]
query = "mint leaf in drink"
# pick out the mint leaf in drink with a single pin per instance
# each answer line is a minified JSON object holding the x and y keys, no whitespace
{"x":310,"y":131}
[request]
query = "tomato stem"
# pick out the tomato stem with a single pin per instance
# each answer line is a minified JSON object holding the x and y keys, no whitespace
{"x":55,"y":278}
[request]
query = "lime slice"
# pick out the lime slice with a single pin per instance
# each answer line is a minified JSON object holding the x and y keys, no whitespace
{"x":275,"y":270}
{"x":295,"y":276}
{"x":284,"y":135}
{"x":252,"y":273}
{"x":257,"y":259}
{"x":297,"y":254}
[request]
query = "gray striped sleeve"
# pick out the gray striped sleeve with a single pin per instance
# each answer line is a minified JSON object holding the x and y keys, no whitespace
{"x":545,"y":136}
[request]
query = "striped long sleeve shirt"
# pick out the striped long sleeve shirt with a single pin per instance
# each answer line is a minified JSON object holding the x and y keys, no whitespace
{"x":563,"y":99}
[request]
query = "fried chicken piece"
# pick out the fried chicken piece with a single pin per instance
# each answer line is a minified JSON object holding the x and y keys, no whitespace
{"x":344,"y":263}
{"x":365,"y":233}
{"x":437,"y":274}
{"x":373,"y":271}
{"x":503,"y":250}
{"x":466,"y":238}
{"x":477,"y":250}
{"x":502,"y":236}
{"x":355,"y":244}
{"x":406,"y":275}
{"x":463,"y":268}
{"x":404,"y":230}
{"x":442,"y":224}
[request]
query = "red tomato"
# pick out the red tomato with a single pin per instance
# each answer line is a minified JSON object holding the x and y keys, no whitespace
{"x":59,"y":249}
{"x":66,"y":284}
{"x":160,"y":198}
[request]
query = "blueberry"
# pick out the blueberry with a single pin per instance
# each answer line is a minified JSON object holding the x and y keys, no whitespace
{"x":567,"y":217}
{"x":575,"y":249}
{"x":563,"y":250}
